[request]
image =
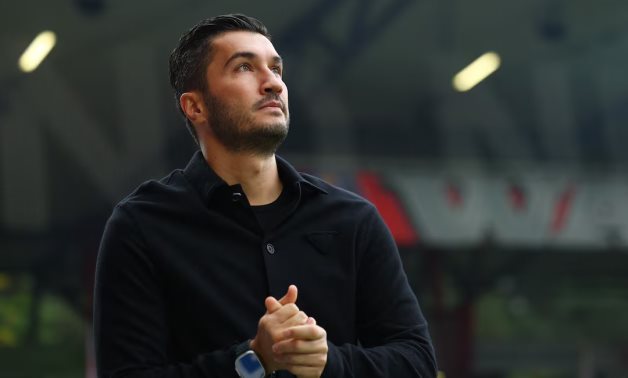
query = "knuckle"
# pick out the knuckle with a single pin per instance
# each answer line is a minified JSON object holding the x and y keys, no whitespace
{"x":277,"y":355}
{"x":324,"y":358}
{"x":262,"y":322}
{"x":275,"y":335}
{"x":292,"y":307}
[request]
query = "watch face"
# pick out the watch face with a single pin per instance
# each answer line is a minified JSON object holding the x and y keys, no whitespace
{"x":249,"y":366}
{"x":250,"y":363}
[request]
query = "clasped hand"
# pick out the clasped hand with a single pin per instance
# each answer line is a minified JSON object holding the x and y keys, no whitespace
{"x":288,"y":339}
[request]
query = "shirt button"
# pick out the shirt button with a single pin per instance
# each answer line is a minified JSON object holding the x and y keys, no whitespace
{"x":270,"y":248}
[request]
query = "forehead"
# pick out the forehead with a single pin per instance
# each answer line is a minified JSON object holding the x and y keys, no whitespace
{"x":229,"y":43}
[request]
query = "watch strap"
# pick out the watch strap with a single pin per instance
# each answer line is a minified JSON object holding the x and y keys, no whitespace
{"x":242,"y":347}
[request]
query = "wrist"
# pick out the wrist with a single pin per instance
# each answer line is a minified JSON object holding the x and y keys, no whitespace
{"x":248,"y":363}
{"x":254,"y":346}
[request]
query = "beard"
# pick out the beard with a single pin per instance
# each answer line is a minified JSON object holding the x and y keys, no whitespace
{"x":236,"y":129}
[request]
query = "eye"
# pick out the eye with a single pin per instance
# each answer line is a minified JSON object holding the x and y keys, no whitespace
{"x":276,"y":69}
{"x":244,"y":67}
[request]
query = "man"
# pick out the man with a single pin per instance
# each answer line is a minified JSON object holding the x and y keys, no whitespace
{"x":190,"y":266}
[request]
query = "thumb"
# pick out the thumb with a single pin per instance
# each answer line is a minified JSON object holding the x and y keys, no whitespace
{"x":290,"y":297}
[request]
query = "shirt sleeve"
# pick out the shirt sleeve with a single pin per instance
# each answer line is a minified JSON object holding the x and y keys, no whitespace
{"x":393,"y":337}
{"x":131,"y":334}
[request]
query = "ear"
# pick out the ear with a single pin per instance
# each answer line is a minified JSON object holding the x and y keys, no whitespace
{"x":193,"y":107}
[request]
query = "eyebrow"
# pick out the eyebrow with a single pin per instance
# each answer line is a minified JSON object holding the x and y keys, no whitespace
{"x":250,"y":55}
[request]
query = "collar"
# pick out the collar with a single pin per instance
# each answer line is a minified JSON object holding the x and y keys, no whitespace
{"x":205,"y":181}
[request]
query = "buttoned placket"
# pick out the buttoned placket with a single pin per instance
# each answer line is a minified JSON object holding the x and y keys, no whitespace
{"x":273,"y":253}
{"x":268,"y":246}
{"x":269,"y":242}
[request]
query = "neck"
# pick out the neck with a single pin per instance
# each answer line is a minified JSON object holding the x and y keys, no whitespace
{"x":257,"y":175}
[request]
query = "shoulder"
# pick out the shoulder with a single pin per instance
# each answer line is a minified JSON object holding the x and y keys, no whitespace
{"x":156,"y":196}
{"x":155,"y":191}
{"x":319,"y":190}
{"x":339,"y":196}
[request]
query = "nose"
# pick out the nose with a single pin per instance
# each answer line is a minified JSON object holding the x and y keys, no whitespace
{"x":272,"y":83}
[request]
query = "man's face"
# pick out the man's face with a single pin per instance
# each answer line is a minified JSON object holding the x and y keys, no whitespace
{"x":246,"y":98}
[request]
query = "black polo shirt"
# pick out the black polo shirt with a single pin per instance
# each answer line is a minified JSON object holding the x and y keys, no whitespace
{"x":184,"y":267}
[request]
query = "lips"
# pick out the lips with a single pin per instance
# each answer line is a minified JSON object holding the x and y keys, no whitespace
{"x":272,"y":104}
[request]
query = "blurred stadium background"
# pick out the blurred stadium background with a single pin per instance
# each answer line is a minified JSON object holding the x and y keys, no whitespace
{"x":509,"y":201}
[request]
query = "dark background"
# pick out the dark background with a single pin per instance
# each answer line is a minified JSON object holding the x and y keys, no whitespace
{"x":508,"y":202}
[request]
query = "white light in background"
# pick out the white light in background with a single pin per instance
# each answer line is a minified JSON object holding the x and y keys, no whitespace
{"x":37,"y":51}
{"x":478,"y":70}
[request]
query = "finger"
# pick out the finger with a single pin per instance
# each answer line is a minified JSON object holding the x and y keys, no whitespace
{"x":289,"y":361}
{"x":311,"y":321}
{"x":291,"y":295}
{"x":306,"y":371}
{"x":284,"y":313}
{"x":293,"y":359}
{"x":300,"y":318}
{"x":304,"y":332}
{"x":296,"y":346}
{"x":272,"y":305}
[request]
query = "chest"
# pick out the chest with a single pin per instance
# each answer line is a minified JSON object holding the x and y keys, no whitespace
{"x":217,"y":273}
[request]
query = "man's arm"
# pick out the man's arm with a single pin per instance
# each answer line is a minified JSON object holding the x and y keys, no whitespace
{"x":130,"y":330}
{"x":392,"y":332}
{"x":129,"y":312}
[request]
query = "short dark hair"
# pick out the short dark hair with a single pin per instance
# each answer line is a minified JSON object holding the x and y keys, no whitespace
{"x":189,"y":60}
